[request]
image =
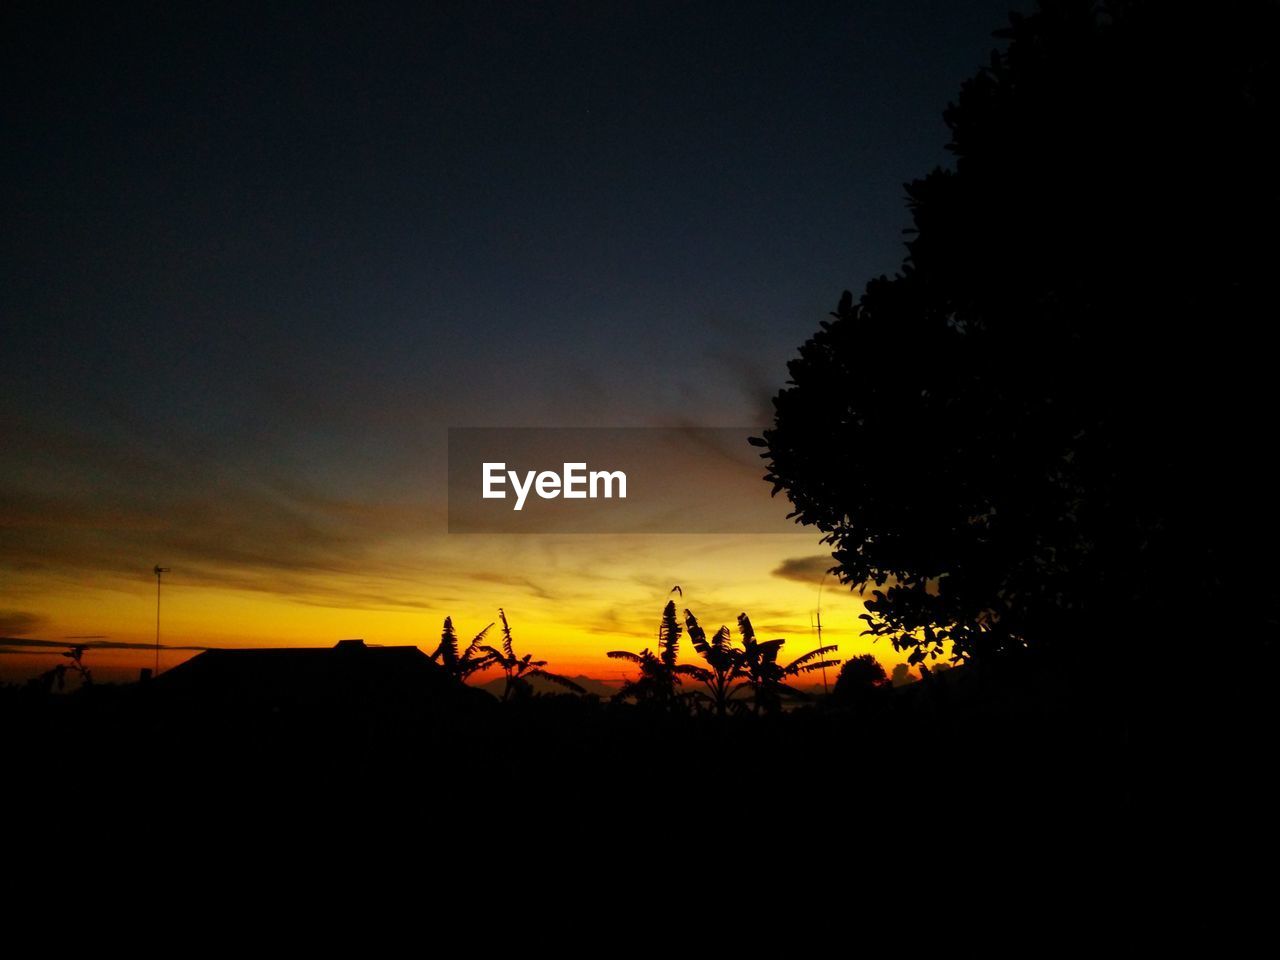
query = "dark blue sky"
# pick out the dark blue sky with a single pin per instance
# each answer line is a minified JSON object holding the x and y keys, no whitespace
{"x":290,"y":247}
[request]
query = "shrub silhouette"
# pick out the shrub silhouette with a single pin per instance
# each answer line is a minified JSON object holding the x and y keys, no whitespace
{"x":858,"y":678}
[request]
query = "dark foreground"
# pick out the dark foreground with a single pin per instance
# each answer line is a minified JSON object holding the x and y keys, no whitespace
{"x":969,"y":747}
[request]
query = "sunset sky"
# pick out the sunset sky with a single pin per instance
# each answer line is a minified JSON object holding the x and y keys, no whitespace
{"x":256,"y":264}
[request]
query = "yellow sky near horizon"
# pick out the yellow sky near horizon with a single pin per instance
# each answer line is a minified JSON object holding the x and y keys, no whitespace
{"x":259,"y":559}
{"x":569,"y":599}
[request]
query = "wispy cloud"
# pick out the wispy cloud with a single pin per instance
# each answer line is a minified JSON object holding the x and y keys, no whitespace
{"x":33,"y":643}
{"x":804,"y":569}
{"x":525,"y":584}
{"x":19,"y":623}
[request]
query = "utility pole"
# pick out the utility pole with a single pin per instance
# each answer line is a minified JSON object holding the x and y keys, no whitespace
{"x":158,"y":571}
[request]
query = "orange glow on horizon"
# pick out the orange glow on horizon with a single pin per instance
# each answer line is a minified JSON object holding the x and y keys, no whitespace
{"x":569,"y":601}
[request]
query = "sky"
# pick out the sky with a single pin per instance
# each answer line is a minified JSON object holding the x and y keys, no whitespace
{"x":257,"y":262}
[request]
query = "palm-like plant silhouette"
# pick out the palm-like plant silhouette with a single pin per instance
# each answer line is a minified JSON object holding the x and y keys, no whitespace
{"x":461,"y":666}
{"x":518,"y":669}
{"x":58,"y":675}
{"x":766,"y":676}
{"x":659,"y":673}
{"x":724,"y":663}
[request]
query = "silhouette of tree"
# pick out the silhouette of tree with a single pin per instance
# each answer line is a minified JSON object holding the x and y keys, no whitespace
{"x":1047,"y":420}
{"x":724,"y":663}
{"x":518,"y":669}
{"x":859,"y":677}
{"x":766,"y":676}
{"x":472,"y":659}
{"x":659,"y":673}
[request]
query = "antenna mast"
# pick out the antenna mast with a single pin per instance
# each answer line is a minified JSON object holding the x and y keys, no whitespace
{"x":158,"y":570}
{"x":823,"y":657}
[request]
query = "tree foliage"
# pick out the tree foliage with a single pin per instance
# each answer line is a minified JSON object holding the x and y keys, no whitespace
{"x":1048,"y":423}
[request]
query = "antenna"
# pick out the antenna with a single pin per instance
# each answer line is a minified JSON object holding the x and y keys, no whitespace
{"x":823,"y":657}
{"x":158,"y":570}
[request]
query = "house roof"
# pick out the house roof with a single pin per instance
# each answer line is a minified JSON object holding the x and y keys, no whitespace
{"x":350,"y":672}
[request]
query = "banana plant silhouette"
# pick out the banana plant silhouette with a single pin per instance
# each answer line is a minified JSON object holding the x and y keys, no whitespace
{"x":472,"y":659}
{"x":58,"y":675}
{"x":766,"y":676}
{"x":724,"y":663}
{"x":518,"y":669}
{"x":659,"y":673}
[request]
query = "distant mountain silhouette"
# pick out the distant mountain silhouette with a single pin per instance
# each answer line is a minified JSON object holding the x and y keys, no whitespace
{"x":600,"y":688}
